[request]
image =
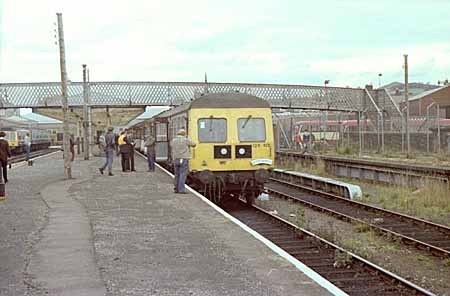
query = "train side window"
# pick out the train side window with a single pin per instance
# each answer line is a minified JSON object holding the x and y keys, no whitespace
{"x":212,"y":130}
{"x":161,"y":132}
{"x":251,"y":129}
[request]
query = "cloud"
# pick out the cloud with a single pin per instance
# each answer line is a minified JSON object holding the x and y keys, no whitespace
{"x":234,"y":41}
{"x":365,"y":66}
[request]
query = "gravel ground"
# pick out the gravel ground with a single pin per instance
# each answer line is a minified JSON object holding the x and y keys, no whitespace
{"x":148,"y":243}
{"x":143,"y":246}
{"x":416,"y":266}
{"x":22,"y":216}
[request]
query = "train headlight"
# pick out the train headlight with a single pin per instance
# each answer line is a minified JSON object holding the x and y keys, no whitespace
{"x":222,"y":151}
{"x":241,"y":151}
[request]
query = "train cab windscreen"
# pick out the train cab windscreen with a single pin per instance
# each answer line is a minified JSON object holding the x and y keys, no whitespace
{"x":251,"y":129}
{"x":11,"y":136}
{"x":212,"y":130}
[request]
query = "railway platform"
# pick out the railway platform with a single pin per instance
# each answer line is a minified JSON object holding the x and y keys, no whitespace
{"x":129,"y":234}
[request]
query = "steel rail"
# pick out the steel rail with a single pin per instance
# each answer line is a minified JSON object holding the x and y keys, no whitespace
{"x":395,"y":172}
{"x":361,"y":277}
{"x":33,"y":154}
{"x":402,"y":222}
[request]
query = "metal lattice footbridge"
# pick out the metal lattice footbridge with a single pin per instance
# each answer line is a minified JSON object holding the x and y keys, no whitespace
{"x":139,"y":94}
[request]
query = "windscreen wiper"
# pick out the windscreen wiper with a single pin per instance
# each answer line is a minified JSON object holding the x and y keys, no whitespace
{"x":211,"y":123}
{"x":245,"y":123}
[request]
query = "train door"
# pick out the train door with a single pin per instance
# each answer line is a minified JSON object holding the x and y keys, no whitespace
{"x":162,"y":143}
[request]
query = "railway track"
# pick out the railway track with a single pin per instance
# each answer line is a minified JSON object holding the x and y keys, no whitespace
{"x":414,"y":175}
{"x":423,"y":234}
{"x":349,"y":272}
{"x":352,"y":274}
{"x":33,"y":154}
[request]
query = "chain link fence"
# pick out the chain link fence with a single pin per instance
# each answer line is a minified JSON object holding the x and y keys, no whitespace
{"x":370,"y":131}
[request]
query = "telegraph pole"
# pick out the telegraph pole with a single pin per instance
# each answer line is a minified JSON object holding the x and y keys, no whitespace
{"x":408,"y":146}
{"x":85,"y":116}
{"x":91,"y":142}
{"x":65,"y":104}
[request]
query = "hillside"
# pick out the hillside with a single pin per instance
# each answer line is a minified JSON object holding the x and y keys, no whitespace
{"x":396,"y":89}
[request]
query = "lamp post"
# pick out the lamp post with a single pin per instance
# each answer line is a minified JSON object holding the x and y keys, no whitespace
{"x":85,"y":115}
{"x":66,"y":134}
{"x":408,"y":145}
{"x":379,"y":79}
{"x":326,"y":82}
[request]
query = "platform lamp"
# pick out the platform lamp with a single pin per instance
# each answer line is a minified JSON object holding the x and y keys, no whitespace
{"x":326,"y":82}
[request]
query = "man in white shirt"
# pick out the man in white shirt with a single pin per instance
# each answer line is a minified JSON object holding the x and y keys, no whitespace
{"x":27,"y":142}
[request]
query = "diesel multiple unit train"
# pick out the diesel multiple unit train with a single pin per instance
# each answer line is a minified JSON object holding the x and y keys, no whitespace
{"x":235,"y":145}
{"x":40,"y":139}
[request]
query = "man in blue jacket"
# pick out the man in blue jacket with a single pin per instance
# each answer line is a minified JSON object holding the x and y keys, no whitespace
{"x":109,"y":151}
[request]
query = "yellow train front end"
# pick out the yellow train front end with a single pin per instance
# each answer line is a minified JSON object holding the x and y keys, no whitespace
{"x":235,"y":146}
{"x":13,"y":140}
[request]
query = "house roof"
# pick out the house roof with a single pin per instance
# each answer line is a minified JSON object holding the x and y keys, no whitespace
{"x":440,"y":95}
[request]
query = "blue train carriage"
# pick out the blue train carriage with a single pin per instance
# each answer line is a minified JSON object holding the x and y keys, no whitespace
{"x":40,"y":139}
{"x":235,"y":145}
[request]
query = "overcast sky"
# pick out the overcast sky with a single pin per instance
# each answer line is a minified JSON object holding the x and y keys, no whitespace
{"x":293,"y":41}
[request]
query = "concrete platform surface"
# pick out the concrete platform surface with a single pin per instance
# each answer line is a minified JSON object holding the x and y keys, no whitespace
{"x":128,"y":234}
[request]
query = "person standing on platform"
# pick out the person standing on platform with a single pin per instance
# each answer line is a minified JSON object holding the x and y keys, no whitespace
{"x":124,"y":151}
{"x":116,"y":141}
{"x":109,"y":151}
{"x":181,"y":154}
{"x":27,"y":143}
{"x":5,"y":153}
{"x":130,"y":141}
{"x":149,"y":144}
{"x":72,"y":147}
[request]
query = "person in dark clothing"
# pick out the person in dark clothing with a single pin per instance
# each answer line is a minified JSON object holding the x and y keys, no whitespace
{"x":116,"y":141}
{"x":5,"y":153}
{"x":124,"y":149}
{"x":130,"y":141}
{"x":72,"y":147}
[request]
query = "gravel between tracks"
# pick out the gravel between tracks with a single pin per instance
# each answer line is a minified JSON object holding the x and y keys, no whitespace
{"x":416,"y":266}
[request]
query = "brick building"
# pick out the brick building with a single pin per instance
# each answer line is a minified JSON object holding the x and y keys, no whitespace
{"x":418,"y":104}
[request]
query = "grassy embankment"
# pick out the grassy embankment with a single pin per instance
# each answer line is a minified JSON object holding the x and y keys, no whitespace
{"x":431,"y":202}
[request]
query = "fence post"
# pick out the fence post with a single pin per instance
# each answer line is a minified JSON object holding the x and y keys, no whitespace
{"x":360,"y":134}
{"x":439,"y":129}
